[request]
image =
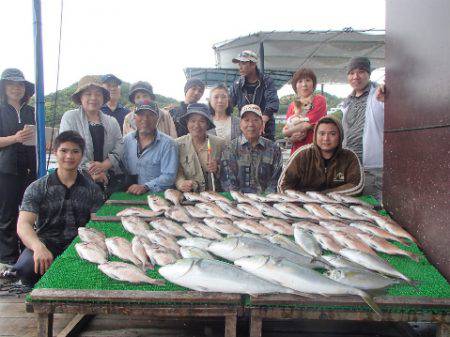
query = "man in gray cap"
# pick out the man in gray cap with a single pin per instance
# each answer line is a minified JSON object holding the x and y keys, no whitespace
{"x":363,"y":123}
{"x":150,"y":157}
{"x":254,"y":87}
{"x":113,"y":107}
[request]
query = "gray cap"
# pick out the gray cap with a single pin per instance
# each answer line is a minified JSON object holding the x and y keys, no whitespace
{"x":147,"y":106}
{"x":140,"y":86}
{"x":198,"y":109}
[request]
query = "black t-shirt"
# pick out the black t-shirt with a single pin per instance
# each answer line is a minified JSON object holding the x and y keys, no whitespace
{"x":98,"y":140}
{"x":249,"y":91}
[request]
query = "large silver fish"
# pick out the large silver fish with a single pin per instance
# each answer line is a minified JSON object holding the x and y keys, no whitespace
{"x":286,"y":243}
{"x":307,"y":241}
{"x":227,"y":208}
{"x":160,"y":255}
{"x":175,"y":196}
{"x":252,"y":226}
{"x":177,"y":213}
{"x":200,"y":243}
{"x":134,"y":225}
{"x":364,"y":280}
{"x":92,"y":235}
{"x":223,"y":226}
{"x":157,"y":203}
{"x":170,"y":227}
{"x":163,"y":239}
{"x":91,"y":252}
{"x":278,"y":225}
{"x":126,"y":272}
{"x":201,"y":230}
{"x":240,"y":197}
{"x":305,"y":280}
{"x":195,"y":253}
{"x":250,"y":210}
{"x":216,"y":276}
{"x":121,"y":248}
{"x":372,"y":262}
{"x":294,"y":211}
{"x":268,"y":210}
{"x":300,"y":196}
{"x":338,"y":261}
{"x":214,"y":196}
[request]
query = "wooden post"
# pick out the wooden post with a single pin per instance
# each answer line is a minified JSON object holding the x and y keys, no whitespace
{"x":443,"y":330}
{"x":255,"y":324}
{"x":45,"y":325}
{"x":230,"y":325}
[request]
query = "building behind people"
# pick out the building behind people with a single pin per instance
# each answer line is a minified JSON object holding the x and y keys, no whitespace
{"x":17,"y":159}
{"x":324,"y":165}
{"x":199,"y":152}
{"x":254,"y":87}
{"x":150,"y":157}
{"x":251,"y":163}
{"x":100,"y":132}
{"x":307,"y":108}
{"x":226,"y":124}
{"x":363,"y":123}
{"x":143,"y":91}
{"x":53,"y":208}
{"x":114,"y":107}
{"x":193,"y":91}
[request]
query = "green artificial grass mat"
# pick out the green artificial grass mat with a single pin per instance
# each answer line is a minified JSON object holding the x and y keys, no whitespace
{"x":71,"y":272}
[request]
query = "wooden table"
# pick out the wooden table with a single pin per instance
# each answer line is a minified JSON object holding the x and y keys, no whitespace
{"x":401,"y":309}
{"x":154,"y":304}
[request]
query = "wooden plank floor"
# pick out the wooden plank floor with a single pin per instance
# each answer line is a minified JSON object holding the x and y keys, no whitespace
{"x":15,"y":321}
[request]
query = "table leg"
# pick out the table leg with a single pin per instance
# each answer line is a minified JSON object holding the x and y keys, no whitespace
{"x":230,"y":325}
{"x":255,"y":325}
{"x":443,"y":330}
{"x":45,"y":325}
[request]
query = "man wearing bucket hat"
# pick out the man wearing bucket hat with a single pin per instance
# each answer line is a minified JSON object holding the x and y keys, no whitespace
{"x":101,"y":133}
{"x":150,"y":157}
{"x":113,"y":107}
{"x":17,"y":161}
{"x":363,"y":123}
{"x":193,"y":91}
{"x":254,"y":87}
{"x":200,"y":153}
{"x":140,"y":91}
{"x":251,"y":163}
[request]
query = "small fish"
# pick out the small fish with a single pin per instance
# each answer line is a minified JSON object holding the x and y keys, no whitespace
{"x":279,"y":197}
{"x":338,"y":261}
{"x":352,"y":242}
{"x":92,"y":235}
{"x":200,"y":243}
{"x":126,"y":272}
{"x":319,"y":212}
{"x":137,"y":247}
{"x":278,"y":225}
{"x":322,"y":198}
{"x":294,"y":211}
{"x":121,"y":248}
{"x":369,"y":228}
{"x":175,"y":196}
{"x":347,"y":199}
{"x":300,"y":196}
{"x":222,"y":225}
{"x":286,"y":243}
{"x":383,"y":246}
{"x":194,"y":253}
{"x":343,"y":212}
{"x":160,"y":255}
{"x":170,"y":227}
{"x":177,"y":213}
{"x":200,"y":230}
{"x":307,"y":241}
{"x":258,"y":198}
{"x":213,"y":210}
{"x":240,"y":197}
{"x":250,"y":210}
{"x":91,"y":252}
{"x":268,"y":210}
{"x":251,"y":226}
{"x":195,"y":197}
{"x":163,"y":239}
{"x":374,"y":263}
{"x":214,"y":196}
{"x":134,"y":225}
{"x":196,"y":212}
{"x":157,"y":203}
{"x":338,"y":226}
{"x":140,"y":212}
{"x":227,"y":208}
{"x":311,"y":226}
{"x":327,"y":242}
{"x":364,"y":280}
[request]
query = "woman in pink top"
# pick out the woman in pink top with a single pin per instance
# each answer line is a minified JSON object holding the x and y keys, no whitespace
{"x":307,"y":108}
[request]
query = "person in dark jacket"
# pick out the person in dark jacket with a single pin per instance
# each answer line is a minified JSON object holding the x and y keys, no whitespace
{"x":193,"y":91}
{"x":254,"y":87}
{"x":17,"y":160}
{"x":113,"y":107}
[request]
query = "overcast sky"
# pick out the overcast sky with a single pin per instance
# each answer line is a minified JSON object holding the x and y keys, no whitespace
{"x":155,"y":40}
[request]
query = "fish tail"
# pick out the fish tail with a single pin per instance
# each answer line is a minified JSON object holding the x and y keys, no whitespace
{"x":370,"y":302}
{"x":413,"y":256}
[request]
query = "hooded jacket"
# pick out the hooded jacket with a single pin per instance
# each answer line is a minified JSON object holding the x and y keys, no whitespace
{"x":306,"y":170}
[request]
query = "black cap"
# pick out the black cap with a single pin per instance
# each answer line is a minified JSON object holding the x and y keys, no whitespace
{"x":359,"y":63}
{"x":111,"y":78}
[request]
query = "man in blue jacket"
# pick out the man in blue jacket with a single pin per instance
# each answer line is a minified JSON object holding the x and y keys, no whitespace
{"x":254,"y":87}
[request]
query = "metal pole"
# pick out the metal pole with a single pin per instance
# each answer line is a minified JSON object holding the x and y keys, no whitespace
{"x":39,"y":80}
{"x":261,"y":56}
{"x":321,"y":88}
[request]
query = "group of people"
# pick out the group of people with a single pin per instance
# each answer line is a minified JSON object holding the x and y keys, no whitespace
{"x":104,"y":147}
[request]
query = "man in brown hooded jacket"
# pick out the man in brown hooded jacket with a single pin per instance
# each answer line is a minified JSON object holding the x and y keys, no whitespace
{"x":324,"y":165}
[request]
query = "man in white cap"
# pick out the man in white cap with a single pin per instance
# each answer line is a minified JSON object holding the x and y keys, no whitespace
{"x":251,"y":163}
{"x":254,"y":87}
